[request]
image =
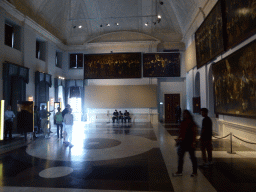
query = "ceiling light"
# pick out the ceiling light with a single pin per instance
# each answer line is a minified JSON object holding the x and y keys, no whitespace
{"x":117,"y":24}
{"x":108,"y":25}
{"x":159,"y":17}
{"x":146,"y":24}
{"x":80,"y":26}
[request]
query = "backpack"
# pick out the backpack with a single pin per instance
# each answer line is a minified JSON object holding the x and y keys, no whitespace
{"x":58,"y":117}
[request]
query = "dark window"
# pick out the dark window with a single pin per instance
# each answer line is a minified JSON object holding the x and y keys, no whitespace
{"x":58,"y":59}
{"x":9,"y":35}
{"x":40,"y":50}
{"x":37,"y":50}
{"x":76,"y":60}
{"x":171,"y":50}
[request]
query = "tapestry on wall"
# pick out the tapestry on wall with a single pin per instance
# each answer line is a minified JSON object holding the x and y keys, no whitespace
{"x":209,"y":36}
{"x":241,"y":20}
{"x":112,"y":66}
{"x":234,"y":83}
{"x":161,"y":65}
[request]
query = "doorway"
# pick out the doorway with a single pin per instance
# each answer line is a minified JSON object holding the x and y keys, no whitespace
{"x":171,"y":101}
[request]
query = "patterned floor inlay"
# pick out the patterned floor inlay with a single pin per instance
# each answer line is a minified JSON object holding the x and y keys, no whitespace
{"x":55,"y":172}
{"x":143,"y":172}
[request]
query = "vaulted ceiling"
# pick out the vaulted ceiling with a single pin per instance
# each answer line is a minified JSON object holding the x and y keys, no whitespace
{"x":100,"y":17}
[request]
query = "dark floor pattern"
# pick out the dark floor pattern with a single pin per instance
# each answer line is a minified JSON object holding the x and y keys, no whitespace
{"x":232,"y":174}
{"x":144,"y":172}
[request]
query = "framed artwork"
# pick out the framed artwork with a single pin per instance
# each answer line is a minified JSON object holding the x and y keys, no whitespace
{"x":209,"y":36}
{"x":240,"y":16}
{"x":112,"y":66}
{"x":234,"y":83}
{"x":161,"y":65}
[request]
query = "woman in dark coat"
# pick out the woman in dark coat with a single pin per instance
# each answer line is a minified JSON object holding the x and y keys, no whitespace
{"x":187,"y":142}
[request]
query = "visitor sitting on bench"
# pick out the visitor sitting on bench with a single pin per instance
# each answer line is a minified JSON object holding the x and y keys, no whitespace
{"x":115,"y":116}
{"x":120,"y":116}
{"x":127,"y":116}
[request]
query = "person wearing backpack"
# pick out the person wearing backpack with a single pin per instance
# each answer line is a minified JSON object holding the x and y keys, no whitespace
{"x":59,"y":119}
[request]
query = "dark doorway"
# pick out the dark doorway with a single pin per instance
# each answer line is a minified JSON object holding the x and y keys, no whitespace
{"x":17,"y":93}
{"x":171,"y":101}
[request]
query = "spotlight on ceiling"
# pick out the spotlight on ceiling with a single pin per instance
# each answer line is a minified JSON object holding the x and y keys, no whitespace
{"x":117,"y":24}
{"x":80,"y":26}
{"x":108,"y":25}
{"x":159,"y":17}
{"x":146,"y":24}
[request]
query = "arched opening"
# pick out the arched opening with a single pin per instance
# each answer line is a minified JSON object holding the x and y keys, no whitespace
{"x":196,"y":98}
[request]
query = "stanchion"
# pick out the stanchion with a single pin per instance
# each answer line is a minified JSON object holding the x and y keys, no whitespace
{"x":231,"y":147}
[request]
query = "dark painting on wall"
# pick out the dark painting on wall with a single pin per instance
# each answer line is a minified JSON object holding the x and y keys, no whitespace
{"x":234,"y":83}
{"x":241,"y":20}
{"x":161,"y":65}
{"x":112,"y":66}
{"x":209,"y":36}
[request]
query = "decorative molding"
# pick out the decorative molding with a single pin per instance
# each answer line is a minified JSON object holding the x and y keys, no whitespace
{"x":115,"y":34}
{"x":11,"y":9}
{"x":240,"y":127}
{"x":31,"y":23}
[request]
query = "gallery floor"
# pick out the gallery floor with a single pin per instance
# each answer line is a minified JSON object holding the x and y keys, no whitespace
{"x":120,"y":157}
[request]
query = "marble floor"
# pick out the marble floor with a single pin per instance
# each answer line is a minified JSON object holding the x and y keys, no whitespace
{"x":120,"y":157}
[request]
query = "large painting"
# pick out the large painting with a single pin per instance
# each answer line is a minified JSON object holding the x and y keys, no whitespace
{"x":161,"y":65}
{"x":209,"y":37}
{"x":241,"y":20}
{"x":112,"y":66}
{"x":235,"y":83}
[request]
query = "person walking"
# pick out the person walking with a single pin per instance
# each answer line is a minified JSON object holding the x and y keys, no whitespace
{"x":186,"y":142}
{"x":36,"y":122}
{"x":65,"y":111}
{"x":44,"y":120}
{"x":8,"y":120}
{"x":206,"y":137}
{"x":59,"y":119}
{"x":68,"y":121}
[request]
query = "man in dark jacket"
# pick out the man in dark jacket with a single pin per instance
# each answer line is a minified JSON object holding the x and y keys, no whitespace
{"x":66,"y":110}
{"x":206,"y":137}
{"x":115,"y":116}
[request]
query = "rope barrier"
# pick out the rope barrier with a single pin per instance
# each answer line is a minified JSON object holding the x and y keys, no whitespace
{"x":244,"y":140}
{"x":222,"y":137}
